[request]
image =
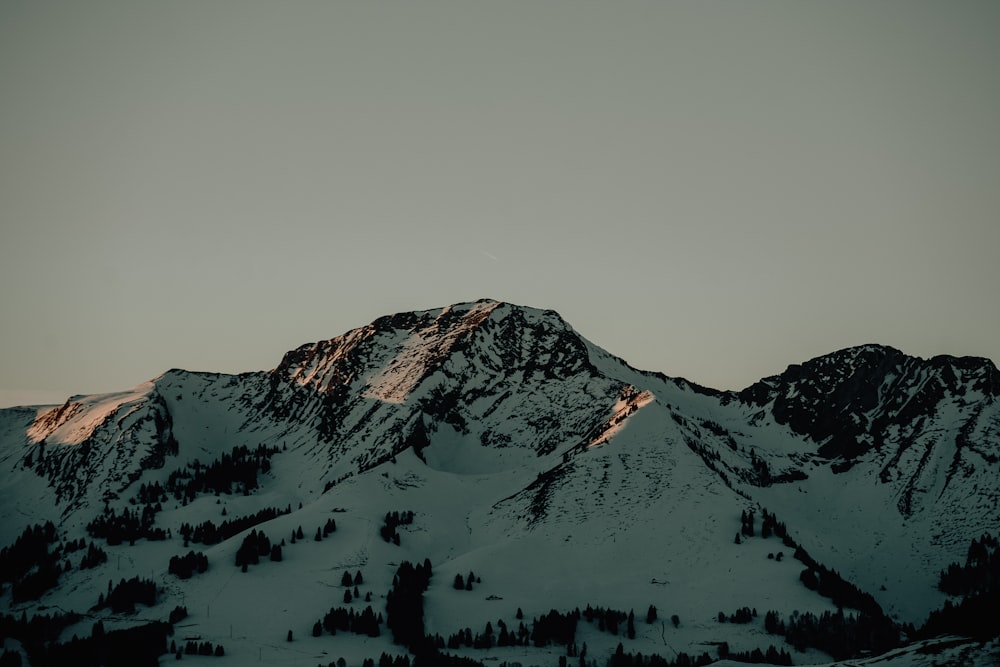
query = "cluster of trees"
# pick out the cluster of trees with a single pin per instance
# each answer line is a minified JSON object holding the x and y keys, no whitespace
{"x":131,"y":525}
{"x":720,"y":431}
{"x":334,"y":482}
{"x":551,"y":628}
{"x":95,"y":556}
{"x":256,"y":545}
{"x":404,"y":605}
{"x":746,"y":525}
{"x":177,"y":614}
{"x":347,"y":581}
{"x":771,"y":656}
{"x":818,"y":577}
{"x":128,"y":526}
{"x":347,"y":620}
{"x":193,"y":647}
{"x":486,"y":639}
{"x":466,"y":584}
{"x":348,"y":597}
{"x":29,"y":565}
{"x":770,"y":525}
{"x":386,"y":660}
{"x":611,"y":620}
{"x":830,"y":584}
{"x":841,"y":635}
{"x":35,"y":633}
{"x":237,"y":469}
{"x":760,"y":467}
{"x":152,"y":493}
{"x":185,"y":566}
{"x":980,"y":573}
{"x":32,"y":585}
{"x":207,"y":533}
{"x":392,"y":521}
{"x":979,"y":582}
{"x":623,"y":659}
{"x":555,"y":628}
{"x":742,"y":615}
{"x":140,"y":646}
{"x":709,"y":456}
{"x":123,"y":597}
{"x":329,"y":527}
{"x":405,"y":618}
{"x":651,"y":615}
{"x":974,"y":616}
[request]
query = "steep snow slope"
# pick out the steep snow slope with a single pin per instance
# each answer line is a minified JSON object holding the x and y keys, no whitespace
{"x":553,"y":470}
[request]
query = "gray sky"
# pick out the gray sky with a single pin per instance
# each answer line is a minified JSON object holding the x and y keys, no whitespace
{"x":707,"y":189}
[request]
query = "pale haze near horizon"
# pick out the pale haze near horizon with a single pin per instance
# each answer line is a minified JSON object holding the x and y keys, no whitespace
{"x":710,"y":190}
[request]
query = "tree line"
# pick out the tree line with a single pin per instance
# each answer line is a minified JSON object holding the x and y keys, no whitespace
{"x":978,"y":584}
{"x":208,"y":533}
{"x":29,"y":565}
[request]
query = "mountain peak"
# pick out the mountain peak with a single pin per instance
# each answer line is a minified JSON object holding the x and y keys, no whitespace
{"x":393,"y":354}
{"x":845,"y":400}
{"x":448,"y":370}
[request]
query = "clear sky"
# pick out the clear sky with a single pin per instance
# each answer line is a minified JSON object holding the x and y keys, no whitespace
{"x":708,"y":189}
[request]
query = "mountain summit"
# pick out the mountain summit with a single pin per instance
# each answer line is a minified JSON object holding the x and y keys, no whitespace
{"x":492,"y":437}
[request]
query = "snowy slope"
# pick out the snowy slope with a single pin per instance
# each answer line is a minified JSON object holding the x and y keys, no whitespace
{"x":553,"y":470}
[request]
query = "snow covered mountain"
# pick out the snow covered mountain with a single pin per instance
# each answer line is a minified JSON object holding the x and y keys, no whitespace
{"x":492,"y":438}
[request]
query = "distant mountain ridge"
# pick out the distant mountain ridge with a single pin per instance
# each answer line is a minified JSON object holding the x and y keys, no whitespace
{"x":885,"y":466}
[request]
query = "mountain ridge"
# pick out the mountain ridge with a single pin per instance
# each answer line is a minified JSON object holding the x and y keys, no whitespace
{"x":872,"y":457}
